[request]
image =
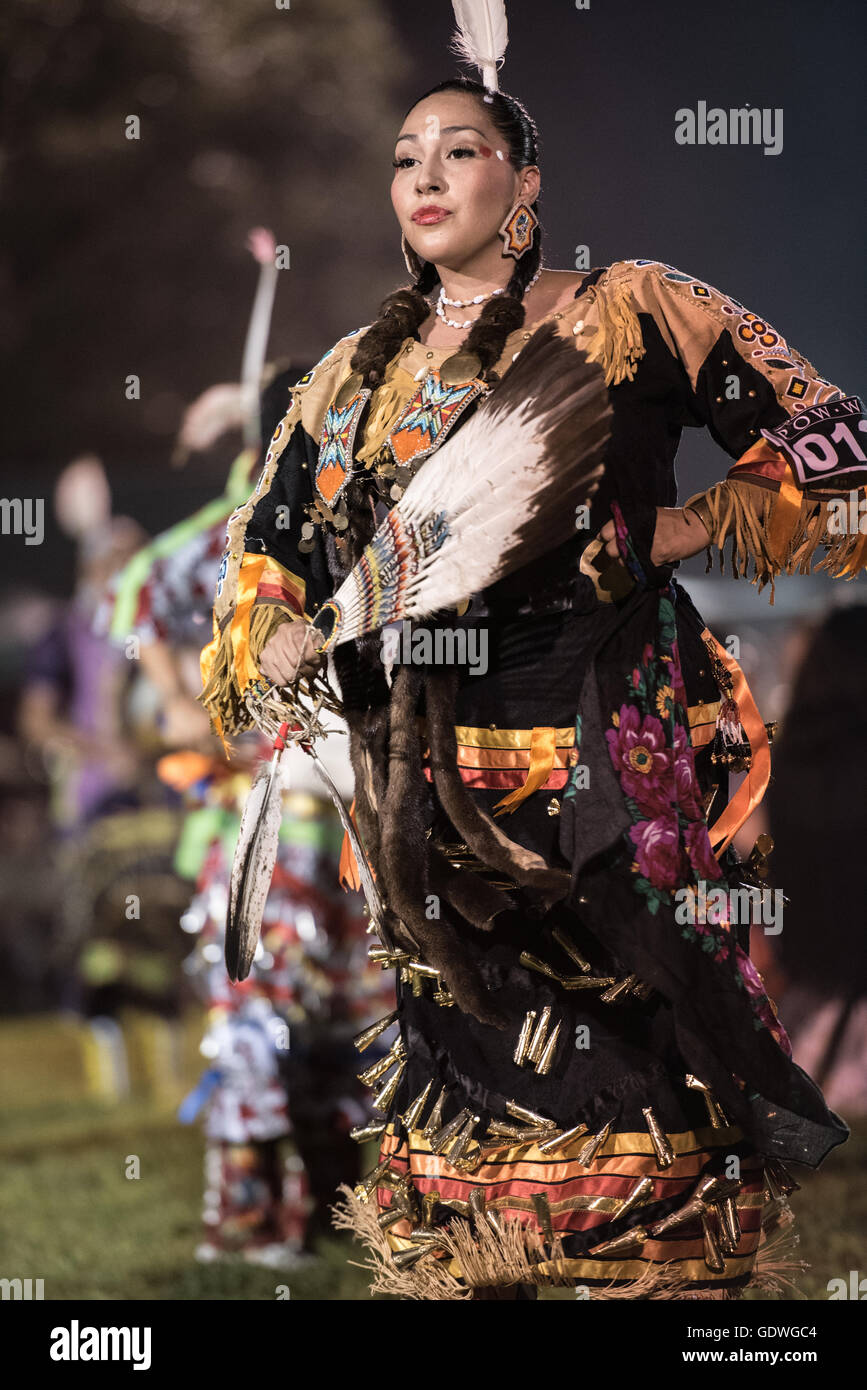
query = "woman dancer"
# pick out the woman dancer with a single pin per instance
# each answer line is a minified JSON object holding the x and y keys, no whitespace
{"x":588,"y":1083}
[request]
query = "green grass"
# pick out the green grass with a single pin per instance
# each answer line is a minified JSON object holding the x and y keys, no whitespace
{"x":70,"y":1216}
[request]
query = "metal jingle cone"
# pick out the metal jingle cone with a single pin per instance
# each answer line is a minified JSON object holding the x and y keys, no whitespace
{"x":491,"y":1145}
{"x":499,"y":1129}
{"x":712,"y":1254}
{"x":532,"y":1136}
{"x":662,"y":1148}
{"x":390,"y":1217}
{"x":534,"y":963}
{"x":476,"y":1204}
{"x":435,"y":1118}
{"x":540,"y":1034}
{"x":546,"y":1061}
{"x":367,"y":1186}
{"x":593,"y":1145}
{"x":617,"y":991}
{"x":383,"y":1099}
{"x":729,"y":1224}
{"x":620,"y":1244}
{"x":406,"y":1197}
{"x":378,"y":1069}
{"x":715,"y":1113}
{"x":369,"y":1035}
{"x":690,"y":1211}
{"x":571,"y":950}
{"x":560,"y":1140}
{"x":427,"y":972}
{"x":635,"y":1196}
{"x":381,"y":955}
{"x":493,"y":1219}
{"x":430,"y":1239}
{"x":362,"y":1133}
{"x":405,"y":1259}
{"x":715,"y":1188}
{"x":411,"y":1117}
{"x":462,"y":1142}
{"x":428,"y":1203}
{"x":530,"y":1117}
{"x":520,"y":1054}
{"x":779,"y":1179}
{"x":542,"y":1208}
{"x":440,"y":1140}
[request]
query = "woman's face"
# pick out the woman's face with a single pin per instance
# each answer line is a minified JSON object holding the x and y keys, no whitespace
{"x":453,"y":181}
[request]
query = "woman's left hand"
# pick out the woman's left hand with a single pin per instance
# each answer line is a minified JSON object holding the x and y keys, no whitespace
{"x":678,"y":535}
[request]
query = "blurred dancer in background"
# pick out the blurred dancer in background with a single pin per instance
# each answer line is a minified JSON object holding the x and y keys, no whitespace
{"x":818,"y":820}
{"x":279,"y":1045}
{"x":85,"y":710}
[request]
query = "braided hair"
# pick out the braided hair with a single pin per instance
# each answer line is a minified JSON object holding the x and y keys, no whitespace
{"x":403,"y":311}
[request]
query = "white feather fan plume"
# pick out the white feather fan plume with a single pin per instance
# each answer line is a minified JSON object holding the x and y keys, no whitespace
{"x":502,"y":490}
{"x":481,"y":37}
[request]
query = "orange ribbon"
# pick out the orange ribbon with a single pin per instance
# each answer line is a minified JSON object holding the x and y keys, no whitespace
{"x":543,"y":749}
{"x":347,"y":869}
{"x":784,"y":517}
{"x":754,"y":785}
{"x":239,"y":631}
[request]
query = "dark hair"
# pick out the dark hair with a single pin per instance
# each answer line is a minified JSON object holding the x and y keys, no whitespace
{"x":402,"y":312}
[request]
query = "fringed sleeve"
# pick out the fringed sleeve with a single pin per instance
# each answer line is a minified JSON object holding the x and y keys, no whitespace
{"x":799,"y":480}
{"x":270,"y":573}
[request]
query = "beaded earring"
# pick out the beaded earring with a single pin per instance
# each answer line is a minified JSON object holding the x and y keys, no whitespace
{"x":518,"y":230}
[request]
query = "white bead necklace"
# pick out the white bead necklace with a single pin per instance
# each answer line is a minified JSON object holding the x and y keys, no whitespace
{"x":443,"y":299}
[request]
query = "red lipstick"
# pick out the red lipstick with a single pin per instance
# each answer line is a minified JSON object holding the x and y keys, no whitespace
{"x":430,"y":214}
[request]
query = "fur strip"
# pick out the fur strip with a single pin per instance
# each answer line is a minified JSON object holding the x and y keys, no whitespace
{"x":404,"y":858}
{"x":472,"y":897}
{"x":487,"y":841}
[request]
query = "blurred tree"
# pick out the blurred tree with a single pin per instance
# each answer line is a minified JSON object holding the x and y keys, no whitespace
{"x":126,"y":256}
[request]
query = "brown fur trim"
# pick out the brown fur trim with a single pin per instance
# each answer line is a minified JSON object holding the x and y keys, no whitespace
{"x":404,"y":858}
{"x":475,"y":899}
{"x":479,"y":832}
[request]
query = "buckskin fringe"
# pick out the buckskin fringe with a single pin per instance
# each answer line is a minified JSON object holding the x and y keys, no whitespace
{"x":428,"y":1279}
{"x":519,"y":1256}
{"x":618,"y":343}
{"x":744,"y":512}
{"x":396,"y":391}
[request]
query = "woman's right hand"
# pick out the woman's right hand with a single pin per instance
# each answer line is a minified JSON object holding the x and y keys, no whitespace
{"x":290,"y":652}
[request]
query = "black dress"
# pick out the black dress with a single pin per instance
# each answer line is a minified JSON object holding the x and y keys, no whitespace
{"x":626,"y":1130}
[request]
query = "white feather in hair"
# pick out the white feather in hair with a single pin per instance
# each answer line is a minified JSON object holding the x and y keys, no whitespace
{"x":481,"y":37}
{"x":501,"y":491}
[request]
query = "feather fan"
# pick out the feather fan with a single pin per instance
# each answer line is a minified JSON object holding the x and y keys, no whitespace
{"x":253,"y":865}
{"x":481,"y":37}
{"x":502,"y":490}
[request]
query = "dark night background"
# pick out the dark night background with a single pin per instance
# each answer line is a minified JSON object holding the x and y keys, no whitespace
{"x":127,"y":257}
{"x":122,"y":258}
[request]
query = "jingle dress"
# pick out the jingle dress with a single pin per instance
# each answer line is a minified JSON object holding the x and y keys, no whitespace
{"x":643,"y":1095}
